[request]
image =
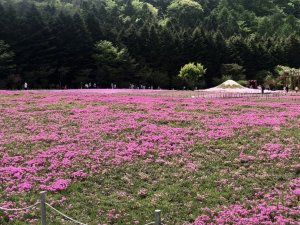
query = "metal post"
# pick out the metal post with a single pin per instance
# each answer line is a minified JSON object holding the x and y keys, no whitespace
{"x":157,"y":217}
{"x":43,"y":207}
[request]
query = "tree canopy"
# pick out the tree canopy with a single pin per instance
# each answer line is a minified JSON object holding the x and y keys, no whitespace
{"x":191,"y":73}
{"x":7,"y":65}
{"x":54,"y":43}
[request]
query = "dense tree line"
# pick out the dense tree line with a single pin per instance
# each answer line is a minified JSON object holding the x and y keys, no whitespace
{"x":53,"y":43}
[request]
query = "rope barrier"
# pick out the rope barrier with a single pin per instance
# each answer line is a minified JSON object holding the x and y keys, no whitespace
{"x":43,"y":204}
{"x":20,"y":209}
{"x":75,"y":221}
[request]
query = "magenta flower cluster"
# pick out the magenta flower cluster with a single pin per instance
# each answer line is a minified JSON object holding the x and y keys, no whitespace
{"x":264,"y":210}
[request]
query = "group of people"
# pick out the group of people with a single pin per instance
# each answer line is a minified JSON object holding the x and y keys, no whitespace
{"x":286,"y":88}
{"x":89,"y":85}
{"x":132,"y":86}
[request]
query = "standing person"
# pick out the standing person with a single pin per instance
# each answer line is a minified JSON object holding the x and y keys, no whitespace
{"x":296,"y":89}
{"x":287,"y":89}
{"x":25,"y":85}
{"x":262,"y":89}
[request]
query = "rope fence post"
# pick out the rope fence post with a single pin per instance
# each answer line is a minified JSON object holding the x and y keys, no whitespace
{"x":157,"y":217}
{"x":43,"y":207}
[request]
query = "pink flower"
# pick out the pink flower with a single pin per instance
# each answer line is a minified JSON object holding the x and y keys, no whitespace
{"x":60,"y":184}
{"x":297,"y":191}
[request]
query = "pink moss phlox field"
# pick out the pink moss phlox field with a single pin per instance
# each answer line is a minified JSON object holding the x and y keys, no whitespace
{"x":50,"y":139}
{"x":267,"y":210}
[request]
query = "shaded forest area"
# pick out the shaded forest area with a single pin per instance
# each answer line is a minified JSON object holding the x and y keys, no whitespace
{"x":54,"y":43}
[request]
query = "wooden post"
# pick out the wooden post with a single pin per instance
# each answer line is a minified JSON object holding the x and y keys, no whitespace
{"x":43,"y":207}
{"x":157,"y":217}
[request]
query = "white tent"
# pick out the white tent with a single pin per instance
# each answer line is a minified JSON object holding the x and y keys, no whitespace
{"x":232,"y":86}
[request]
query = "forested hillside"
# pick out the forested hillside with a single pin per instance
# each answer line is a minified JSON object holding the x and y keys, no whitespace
{"x":53,"y":43}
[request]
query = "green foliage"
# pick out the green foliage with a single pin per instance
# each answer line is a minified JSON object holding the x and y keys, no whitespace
{"x":262,"y":75}
{"x":53,"y":40}
{"x":6,"y":59}
{"x":285,"y":76}
{"x":106,"y":51}
{"x":111,"y":5}
{"x":113,"y":62}
{"x":270,"y":80}
{"x":7,"y":65}
{"x":234,"y":71}
{"x":140,"y":6}
{"x":281,"y":70}
{"x":188,"y":12}
{"x":191,"y":73}
{"x":150,"y":77}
